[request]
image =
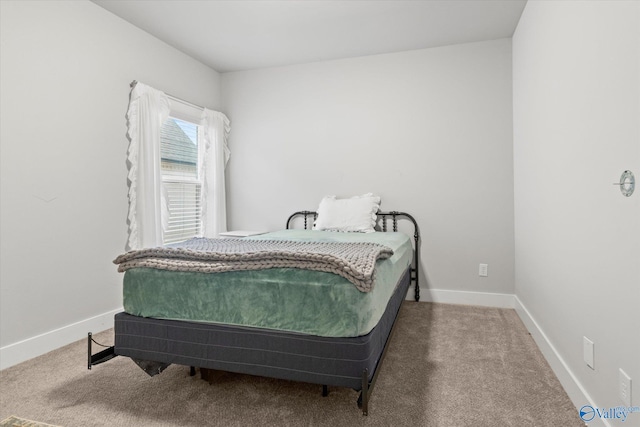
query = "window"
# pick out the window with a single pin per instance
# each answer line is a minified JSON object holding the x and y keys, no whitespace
{"x":176,"y":159}
{"x":180,"y":145}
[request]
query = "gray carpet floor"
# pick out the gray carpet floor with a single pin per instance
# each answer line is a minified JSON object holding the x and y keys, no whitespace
{"x":448,"y":365}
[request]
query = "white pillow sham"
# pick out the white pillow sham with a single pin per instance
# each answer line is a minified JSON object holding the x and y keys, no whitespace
{"x":356,"y":214}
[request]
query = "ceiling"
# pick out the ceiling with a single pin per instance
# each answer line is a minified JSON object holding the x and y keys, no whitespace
{"x":243,"y":34}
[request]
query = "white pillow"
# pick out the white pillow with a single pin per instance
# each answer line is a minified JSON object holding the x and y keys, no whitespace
{"x":355,"y":214}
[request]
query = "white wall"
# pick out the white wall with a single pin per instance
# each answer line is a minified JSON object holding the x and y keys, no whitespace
{"x":576,"y":80}
{"x":66,"y":69}
{"x":429,"y":130}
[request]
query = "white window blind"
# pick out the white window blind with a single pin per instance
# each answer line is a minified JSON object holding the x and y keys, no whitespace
{"x":180,"y":146}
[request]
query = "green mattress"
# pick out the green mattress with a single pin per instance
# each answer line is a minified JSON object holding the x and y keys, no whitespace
{"x":286,"y":299}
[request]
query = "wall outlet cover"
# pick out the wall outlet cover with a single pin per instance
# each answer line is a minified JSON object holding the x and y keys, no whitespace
{"x":625,"y":387}
{"x":588,"y":350}
{"x":483,"y":271}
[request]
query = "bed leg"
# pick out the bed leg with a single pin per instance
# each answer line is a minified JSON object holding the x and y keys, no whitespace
{"x":192,"y":371}
{"x":94,"y":359}
{"x":89,"y":351}
{"x":207,"y":375}
{"x":325,"y":390}
{"x":363,"y":399}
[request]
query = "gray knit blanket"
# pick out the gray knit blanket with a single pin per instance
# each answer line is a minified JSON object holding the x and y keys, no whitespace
{"x":355,"y":261}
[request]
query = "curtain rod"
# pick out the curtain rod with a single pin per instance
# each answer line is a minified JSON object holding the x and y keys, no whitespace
{"x":133,"y":83}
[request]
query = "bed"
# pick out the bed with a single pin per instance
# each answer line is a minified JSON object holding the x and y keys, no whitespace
{"x":302,"y":325}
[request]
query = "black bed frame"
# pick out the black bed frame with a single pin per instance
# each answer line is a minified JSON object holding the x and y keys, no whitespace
{"x":367,"y":383}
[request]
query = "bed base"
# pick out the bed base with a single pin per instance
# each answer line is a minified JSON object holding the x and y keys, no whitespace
{"x":152,"y":368}
{"x":367,"y":385}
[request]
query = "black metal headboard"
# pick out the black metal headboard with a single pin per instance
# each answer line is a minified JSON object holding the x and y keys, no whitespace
{"x":383,"y":217}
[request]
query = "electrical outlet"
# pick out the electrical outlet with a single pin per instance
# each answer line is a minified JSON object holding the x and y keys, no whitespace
{"x":625,"y":387}
{"x":483,"y":271}
{"x":587,"y":351}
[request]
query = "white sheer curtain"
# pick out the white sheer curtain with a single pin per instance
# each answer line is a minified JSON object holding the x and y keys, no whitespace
{"x":148,"y":109}
{"x":216,"y":131}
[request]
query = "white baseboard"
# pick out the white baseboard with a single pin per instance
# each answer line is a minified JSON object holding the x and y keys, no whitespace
{"x":570,"y":383}
{"x":486,"y":299}
{"x":21,"y":351}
